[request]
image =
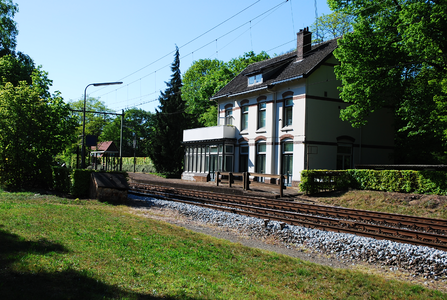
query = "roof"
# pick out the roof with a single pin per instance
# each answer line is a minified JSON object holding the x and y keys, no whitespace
{"x":108,"y":146}
{"x":279,"y":69}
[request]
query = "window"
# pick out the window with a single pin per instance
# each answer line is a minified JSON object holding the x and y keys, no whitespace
{"x":244,"y":118}
{"x":288,"y":106}
{"x":261,"y":114}
{"x":344,"y":156}
{"x":255,"y":79}
{"x":261,"y":149}
{"x":229,"y":116}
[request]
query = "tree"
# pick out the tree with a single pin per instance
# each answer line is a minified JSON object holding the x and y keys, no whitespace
{"x":137,"y":125}
{"x":35,"y":127}
{"x":170,"y":119}
{"x":8,"y":29}
{"x":396,"y":58}
{"x":94,"y":122}
{"x":205,"y":78}
{"x":331,"y":26}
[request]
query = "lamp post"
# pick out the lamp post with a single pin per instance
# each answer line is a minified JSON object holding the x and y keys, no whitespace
{"x":83,"y":118}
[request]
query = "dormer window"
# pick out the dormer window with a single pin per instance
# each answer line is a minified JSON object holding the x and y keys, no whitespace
{"x":255,"y":79}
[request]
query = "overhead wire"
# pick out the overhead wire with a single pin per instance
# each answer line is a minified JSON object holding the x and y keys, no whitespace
{"x":213,"y":41}
{"x":249,"y":22}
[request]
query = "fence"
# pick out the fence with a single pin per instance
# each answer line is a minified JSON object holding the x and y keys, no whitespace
{"x":246,"y":179}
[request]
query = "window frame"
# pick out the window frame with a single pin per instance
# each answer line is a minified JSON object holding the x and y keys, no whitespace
{"x":244,"y":117}
{"x":262,"y":115}
{"x":288,"y":108}
{"x":255,"y":79}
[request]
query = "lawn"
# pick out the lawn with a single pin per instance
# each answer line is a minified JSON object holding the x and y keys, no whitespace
{"x":56,"y":248}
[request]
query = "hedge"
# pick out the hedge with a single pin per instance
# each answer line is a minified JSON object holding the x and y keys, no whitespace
{"x":403,"y":181}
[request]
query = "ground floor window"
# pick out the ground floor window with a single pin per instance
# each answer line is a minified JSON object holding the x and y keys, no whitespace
{"x":209,"y":158}
{"x":261,"y":149}
{"x":344,"y":157}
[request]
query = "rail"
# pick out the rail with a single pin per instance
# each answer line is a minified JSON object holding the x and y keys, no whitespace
{"x":246,"y":179}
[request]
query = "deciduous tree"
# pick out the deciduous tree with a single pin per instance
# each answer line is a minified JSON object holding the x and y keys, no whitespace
{"x":34,"y":126}
{"x":205,"y":78}
{"x":137,"y":125}
{"x":396,"y":57}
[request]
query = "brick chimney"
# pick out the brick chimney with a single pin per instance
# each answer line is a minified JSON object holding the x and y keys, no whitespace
{"x":304,"y":43}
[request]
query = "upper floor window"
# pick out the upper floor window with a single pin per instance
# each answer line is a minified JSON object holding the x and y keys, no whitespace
{"x":288,"y":107}
{"x":244,"y":118}
{"x":261,"y":114}
{"x":229,"y":116}
{"x":255,"y":79}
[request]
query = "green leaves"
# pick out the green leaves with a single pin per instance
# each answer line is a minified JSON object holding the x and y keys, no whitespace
{"x":395,"y":58}
{"x":205,"y":78}
{"x":35,"y":127}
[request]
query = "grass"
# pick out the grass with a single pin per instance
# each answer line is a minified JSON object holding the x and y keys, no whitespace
{"x":56,"y":248}
{"x":431,"y":206}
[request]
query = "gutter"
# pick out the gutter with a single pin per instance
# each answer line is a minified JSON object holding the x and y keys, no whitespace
{"x":287,"y":80}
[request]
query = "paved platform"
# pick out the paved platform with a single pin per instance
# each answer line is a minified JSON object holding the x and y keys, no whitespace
{"x":256,"y":189}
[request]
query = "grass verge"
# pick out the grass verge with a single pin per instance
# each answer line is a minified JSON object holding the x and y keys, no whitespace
{"x":430,"y":206}
{"x":54,"y":248}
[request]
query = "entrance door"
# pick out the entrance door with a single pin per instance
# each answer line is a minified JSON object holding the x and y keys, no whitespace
{"x":287,"y":167}
{"x":287,"y":161}
{"x":213,"y":166}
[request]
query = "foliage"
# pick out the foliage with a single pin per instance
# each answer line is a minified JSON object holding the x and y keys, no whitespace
{"x":314,"y":181}
{"x":137,"y":125}
{"x":80,"y":182}
{"x":35,"y":127}
{"x":205,"y":78}
{"x":402,"y":181}
{"x":395,"y":58}
{"x":94,"y":122}
{"x":165,"y":150}
{"x":8,"y":29}
{"x":331,"y":26}
{"x":61,"y":179}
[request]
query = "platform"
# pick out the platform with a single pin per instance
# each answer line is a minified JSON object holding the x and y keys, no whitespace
{"x":256,"y":188}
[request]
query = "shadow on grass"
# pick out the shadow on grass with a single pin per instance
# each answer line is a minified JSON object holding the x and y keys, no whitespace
{"x":67,"y":284}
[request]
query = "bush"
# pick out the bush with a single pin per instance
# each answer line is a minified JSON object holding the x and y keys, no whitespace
{"x":61,"y":179}
{"x":402,"y":181}
{"x":81,"y":183}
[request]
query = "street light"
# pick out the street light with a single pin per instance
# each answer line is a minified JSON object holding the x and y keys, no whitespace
{"x":83,"y":119}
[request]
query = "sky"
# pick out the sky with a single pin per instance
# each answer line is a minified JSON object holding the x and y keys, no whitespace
{"x":94,"y":41}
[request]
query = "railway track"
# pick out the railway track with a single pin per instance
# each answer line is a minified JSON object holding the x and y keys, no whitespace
{"x":400,"y":228}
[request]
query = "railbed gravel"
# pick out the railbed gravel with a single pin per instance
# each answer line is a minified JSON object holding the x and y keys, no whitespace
{"x":418,"y":260}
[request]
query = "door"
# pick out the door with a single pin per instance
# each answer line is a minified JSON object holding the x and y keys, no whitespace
{"x":213,"y":166}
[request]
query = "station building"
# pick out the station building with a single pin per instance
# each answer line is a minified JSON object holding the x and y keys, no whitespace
{"x":281,"y":116}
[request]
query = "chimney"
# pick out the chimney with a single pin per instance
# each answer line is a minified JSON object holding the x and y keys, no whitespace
{"x":304,"y":43}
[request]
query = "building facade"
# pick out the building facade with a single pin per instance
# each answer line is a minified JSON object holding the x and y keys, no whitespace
{"x":281,"y":116}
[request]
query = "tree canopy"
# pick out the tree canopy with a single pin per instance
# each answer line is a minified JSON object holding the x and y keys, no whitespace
{"x":169,"y":121}
{"x":205,"y":78}
{"x":137,"y":125}
{"x":331,"y":26}
{"x":94,"y":122}
{"x":35,"y":127}
{"x":396,"y":58}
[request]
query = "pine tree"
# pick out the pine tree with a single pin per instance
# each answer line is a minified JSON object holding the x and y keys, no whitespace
{"x":170,"y":120}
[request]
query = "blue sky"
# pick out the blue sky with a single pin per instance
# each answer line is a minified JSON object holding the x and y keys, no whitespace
{"x":88,"y":41}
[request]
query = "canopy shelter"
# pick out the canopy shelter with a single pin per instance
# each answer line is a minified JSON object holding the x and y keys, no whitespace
{"x":106,"y":155}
